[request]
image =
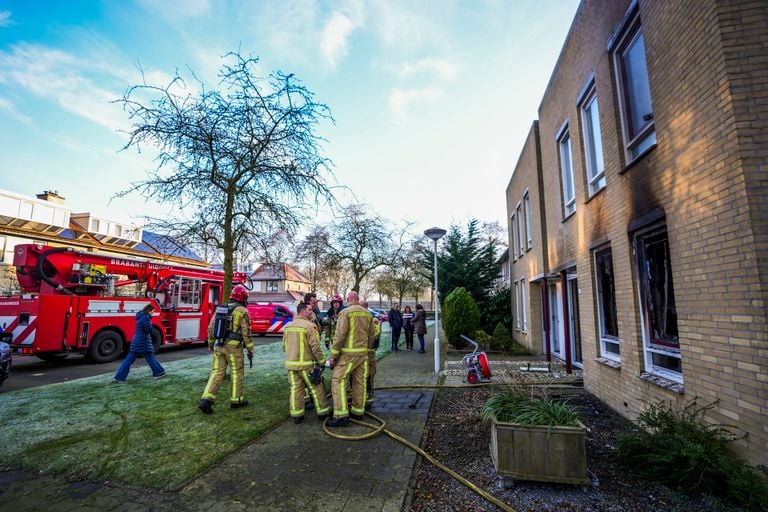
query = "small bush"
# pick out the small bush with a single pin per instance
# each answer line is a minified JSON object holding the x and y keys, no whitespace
{"x":677,"y":448}
{"x":501,"y":338}
{"x":513,"y":408}
{"x":482,"y":338}
{"x":461,"y":316}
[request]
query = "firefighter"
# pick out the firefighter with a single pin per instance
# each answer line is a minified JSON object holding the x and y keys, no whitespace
{"x":303,"y":357}
{"x":371,"y":359}
{"x":349,"y":357}
{"x":229,"y":352}
{"x":337,"y":304}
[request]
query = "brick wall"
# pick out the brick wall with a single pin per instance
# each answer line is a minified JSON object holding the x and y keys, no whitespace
{"x":708,"y":72}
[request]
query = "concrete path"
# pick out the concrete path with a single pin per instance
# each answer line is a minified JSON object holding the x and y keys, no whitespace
{"x":292,"y":467}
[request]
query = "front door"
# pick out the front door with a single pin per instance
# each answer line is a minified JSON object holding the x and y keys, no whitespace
{"x":573,"y":320}
{"x":556,"y":320}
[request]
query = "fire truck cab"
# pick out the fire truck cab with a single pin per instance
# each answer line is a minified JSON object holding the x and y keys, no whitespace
{"x":80,"y":302}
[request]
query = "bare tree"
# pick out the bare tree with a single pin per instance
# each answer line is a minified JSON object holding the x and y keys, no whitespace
{"x":361,"y":242}
{"x":241,"y":160}
{"x":405,"y":274}
{"x":9,"y":284}
{"x":314,"y":254}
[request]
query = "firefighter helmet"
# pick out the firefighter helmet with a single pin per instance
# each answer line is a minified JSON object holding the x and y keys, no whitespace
{"x":239,"y":294}
{"x":337,"y":298}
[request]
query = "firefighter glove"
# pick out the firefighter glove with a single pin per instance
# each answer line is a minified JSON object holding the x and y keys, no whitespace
{"x":250,"y":358}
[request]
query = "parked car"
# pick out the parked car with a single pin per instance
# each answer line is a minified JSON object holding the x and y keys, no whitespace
{"x":5,"y":361}
{"x":379,"y":313}
{"x":269,"y":318}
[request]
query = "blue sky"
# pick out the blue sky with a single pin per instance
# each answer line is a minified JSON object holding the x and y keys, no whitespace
{"x":432,"y":99}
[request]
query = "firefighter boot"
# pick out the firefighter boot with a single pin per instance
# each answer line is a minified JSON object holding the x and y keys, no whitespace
{"x":338,"y":422}
{"x":206,"y":406}
{"x":237,"y":405}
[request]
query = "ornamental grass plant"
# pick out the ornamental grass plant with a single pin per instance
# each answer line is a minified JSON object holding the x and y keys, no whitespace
{"x":524,"y":410}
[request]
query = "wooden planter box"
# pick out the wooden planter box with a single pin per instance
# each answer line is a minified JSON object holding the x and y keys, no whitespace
{"x":545,"y":454}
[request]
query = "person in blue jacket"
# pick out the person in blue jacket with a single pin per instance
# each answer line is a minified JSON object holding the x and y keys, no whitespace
{"x":141,"y":344}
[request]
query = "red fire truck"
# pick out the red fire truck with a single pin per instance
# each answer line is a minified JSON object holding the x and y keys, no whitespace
{"x":81,"y":302}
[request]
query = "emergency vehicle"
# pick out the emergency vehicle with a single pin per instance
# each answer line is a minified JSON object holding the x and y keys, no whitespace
{"x":269,"y":318}
{"x":81,"y":302}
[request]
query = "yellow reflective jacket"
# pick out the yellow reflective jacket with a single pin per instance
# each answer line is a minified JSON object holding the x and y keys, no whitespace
{"x":354,"y":331}
{"x":241,"y":324}
{"x":301,"y":344}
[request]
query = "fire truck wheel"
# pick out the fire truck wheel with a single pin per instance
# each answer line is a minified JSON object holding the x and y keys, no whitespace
{"x":105,"y":347}
{"x":157,"y":340}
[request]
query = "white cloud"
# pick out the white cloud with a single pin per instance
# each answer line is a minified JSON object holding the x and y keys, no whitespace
{"x":9,"y":108}
{"x":5,"y":18}
{"x":443,"y":68}
{"x":336,"y":32}
{"x":401,"y":100}
{"x":334,"y":41}
{"x":408,"y":25}
{"x":60,"y":77}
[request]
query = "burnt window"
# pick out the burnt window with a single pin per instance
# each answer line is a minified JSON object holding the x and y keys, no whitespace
{"x":657,"y":299}
{"x":606,"y":302}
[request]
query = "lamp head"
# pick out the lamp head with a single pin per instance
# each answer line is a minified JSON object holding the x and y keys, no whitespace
{"x":435,"y":233}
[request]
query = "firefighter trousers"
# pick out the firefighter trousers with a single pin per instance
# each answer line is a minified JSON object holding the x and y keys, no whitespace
{"x":224,"y":356}
{"x":369,"y":380}
{"x":356,"y":368}
{"x":300,"y":386}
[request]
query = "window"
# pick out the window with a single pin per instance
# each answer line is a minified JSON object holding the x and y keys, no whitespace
{"x":528,"y":231}
{"x":566,"y":169}
{"x":272,"y":286}
{"x":523,"y":304}
{"x":593,"y":144}
{"x":517,"y":305}
{"x":606,"y":305}
{"x":634,"y":92}
{"x":514,"y":238}
{"x":520,"y":243}
{"x":657,"y":302}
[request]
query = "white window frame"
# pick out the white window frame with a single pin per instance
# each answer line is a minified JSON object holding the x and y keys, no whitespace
{"x":272,"y":286}
{"x":517,"y":305}
{"x":635,"y":144}
{"x":520,"y":241}
{"x":524,"y":305}
{"x":606,"y":340}
{"x":528,"y":230}
{"x":514,"y":237}
{"x":649,"y":349}
{"x":591,"y":136}
{"x":564,"y":144}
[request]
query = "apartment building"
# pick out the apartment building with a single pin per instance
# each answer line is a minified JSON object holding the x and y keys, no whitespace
{"x":638,"y":209}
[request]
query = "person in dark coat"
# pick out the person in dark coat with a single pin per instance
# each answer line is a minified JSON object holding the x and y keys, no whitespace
{"x":420,"y":326}
{"x":395,"y":319}
{"x":408,"y":327}
{"x":141,"y":344}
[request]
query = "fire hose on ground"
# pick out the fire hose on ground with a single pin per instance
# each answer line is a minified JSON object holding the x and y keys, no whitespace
{"x":379,"y":429}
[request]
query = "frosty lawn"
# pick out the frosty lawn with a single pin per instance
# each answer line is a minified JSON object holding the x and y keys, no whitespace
{"x":144,"y":432}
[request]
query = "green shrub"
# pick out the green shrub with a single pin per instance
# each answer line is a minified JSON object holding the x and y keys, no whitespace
{"x":513,"y":408}
{"x":482,"y":338}
{"x":460,"y":316}
{"x":677,"y":448}
{"x":501,"y":338}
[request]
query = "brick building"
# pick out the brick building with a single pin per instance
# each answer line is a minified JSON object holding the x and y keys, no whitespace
{"x":638,"y":209}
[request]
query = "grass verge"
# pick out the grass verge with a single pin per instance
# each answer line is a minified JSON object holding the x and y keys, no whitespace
{"x":145,"y":432}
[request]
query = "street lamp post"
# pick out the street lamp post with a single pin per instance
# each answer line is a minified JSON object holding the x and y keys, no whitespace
{"x":436,"y":234}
